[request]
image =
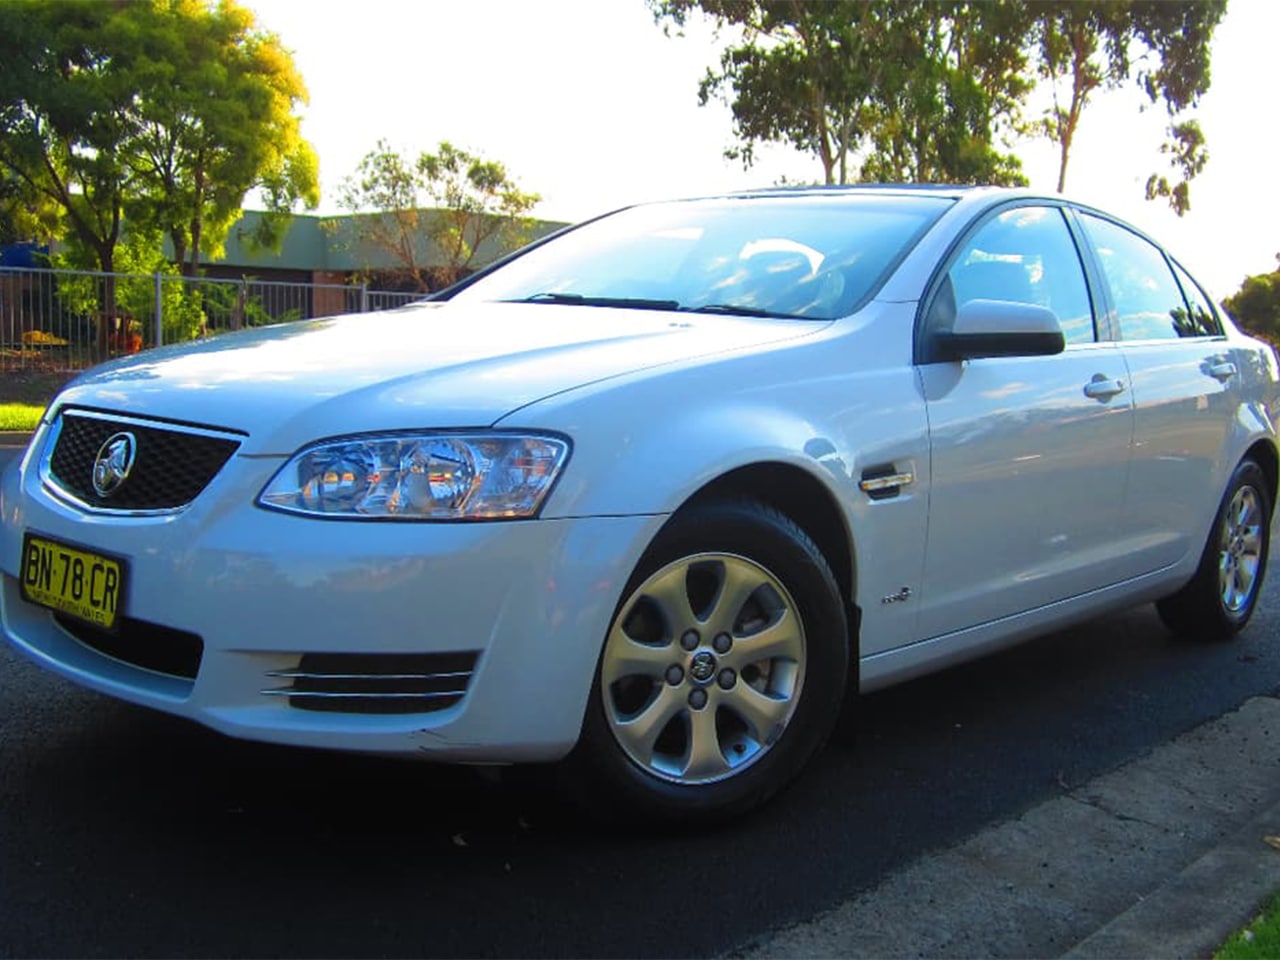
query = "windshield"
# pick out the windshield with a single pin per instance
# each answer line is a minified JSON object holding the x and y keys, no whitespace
{"x":811,"y":257}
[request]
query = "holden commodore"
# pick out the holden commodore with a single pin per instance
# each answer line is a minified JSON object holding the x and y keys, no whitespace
{"x":654,"y":497}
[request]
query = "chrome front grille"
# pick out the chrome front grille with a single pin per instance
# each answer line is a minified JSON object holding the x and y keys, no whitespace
{"x":171,"y":465}
{"x":376,"y":682}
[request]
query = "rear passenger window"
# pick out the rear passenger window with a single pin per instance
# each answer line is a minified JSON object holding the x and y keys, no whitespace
{"x":1202,"y":321}
{"x":1025,"y":255}
{"x":1147,"y":297}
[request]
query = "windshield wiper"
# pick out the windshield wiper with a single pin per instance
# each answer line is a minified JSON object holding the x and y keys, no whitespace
{"x":643,"y":303}
{"x":736,"y":310}
{"x":579,"y":300}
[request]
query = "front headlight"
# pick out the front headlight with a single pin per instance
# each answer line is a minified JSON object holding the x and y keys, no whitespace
{"x":420,"y":477}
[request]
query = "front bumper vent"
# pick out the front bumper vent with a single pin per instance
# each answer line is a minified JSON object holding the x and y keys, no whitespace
{"x":148,"y":646}
{"x":376,"y":682}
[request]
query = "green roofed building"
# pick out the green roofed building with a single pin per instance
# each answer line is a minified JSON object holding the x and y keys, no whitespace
{"x":329,"y":250}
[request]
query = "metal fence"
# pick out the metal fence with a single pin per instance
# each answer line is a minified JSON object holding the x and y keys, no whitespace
{"x":69,"y":319}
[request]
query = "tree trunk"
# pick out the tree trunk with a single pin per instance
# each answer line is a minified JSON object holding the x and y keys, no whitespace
{"x":179,"y":241}
{"x":1081,"y":86}
{"x":189,"y":268}
{"x":107,"y":320}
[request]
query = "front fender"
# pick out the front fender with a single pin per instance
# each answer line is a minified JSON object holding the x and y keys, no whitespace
{"x":648,"y":445}
{"x":615,"y":471}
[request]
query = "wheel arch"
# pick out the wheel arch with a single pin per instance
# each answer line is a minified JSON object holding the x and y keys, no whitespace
{"x":1263,"y":452}
{"x":812,"y":505}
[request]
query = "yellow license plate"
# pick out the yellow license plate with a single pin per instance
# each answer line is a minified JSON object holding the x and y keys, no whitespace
{"x":72,"y":580}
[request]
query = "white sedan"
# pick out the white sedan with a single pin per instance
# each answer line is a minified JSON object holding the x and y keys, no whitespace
{"x":654,"y":497}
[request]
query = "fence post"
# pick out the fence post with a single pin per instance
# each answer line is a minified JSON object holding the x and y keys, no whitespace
{"x":159,"y":312}
{"x":364,"y":298}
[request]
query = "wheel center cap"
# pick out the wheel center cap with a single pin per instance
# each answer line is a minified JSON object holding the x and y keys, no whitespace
{"x":702,"y":666}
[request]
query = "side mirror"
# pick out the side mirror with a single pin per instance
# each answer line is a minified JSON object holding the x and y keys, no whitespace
{"x":1001,"y":328}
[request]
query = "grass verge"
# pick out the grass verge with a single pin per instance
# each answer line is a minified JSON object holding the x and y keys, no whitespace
{"x":19,"y":416}
{"x":1260,"y":940}
{"x":24,"y":394}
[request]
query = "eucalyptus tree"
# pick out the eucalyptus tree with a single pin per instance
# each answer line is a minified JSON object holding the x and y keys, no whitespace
{"x":887,"y":89}
{"x":433,"y":214}
{"x":1082,"y":48}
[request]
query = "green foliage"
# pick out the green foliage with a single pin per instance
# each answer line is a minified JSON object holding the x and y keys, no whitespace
{"x":434,"y":214}
{"x":66,"y":113}
{"x":1260,"y":940}
{"x":131,"y":296}
{"x":1256,"y":305}
{"x":908,"y":89}
{"x":216,"y":120}
{"x":24,"y":213}
{"x":1187,"y":156}
{"x":238,"y":306}
{"x":164,"y":112}
{"x":477,"y":204}
{"x":933,"y":90}
{"x":1162,"y":45}
{"x":959,"y":92}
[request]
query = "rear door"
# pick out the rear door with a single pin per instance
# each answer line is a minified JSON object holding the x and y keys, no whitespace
{"x":1029,"y":455}
{"x":1186,"y":391}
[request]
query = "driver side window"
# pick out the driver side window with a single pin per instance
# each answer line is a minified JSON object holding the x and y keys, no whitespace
{"x":1025,"y":255}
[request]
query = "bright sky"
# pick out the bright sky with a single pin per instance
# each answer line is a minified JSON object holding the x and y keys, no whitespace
{"x":590,"y":105}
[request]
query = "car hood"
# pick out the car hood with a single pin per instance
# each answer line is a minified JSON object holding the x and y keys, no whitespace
{"x":424,"y":366}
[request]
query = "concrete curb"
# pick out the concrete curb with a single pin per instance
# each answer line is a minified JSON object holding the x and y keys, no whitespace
{"x":14,"y":438}
{"x":1162,"y":857}
{"x":1191,"y":914}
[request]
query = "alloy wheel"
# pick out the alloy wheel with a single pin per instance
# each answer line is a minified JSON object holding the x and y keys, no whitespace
{"x":703,"y":668}
{"x":1240,"y":550}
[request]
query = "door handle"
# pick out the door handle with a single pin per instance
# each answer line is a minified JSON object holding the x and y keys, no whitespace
{"x":1223,"y":371}
{"x":1102,"y":387}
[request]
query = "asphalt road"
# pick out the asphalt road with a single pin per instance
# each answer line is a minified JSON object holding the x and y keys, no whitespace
{"x":129,"y":833}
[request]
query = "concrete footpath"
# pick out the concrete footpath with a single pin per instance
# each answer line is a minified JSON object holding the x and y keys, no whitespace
{"x":1164,"y":857}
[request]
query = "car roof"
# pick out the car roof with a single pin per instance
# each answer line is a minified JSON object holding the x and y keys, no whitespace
{"x":951,"y":190}
{"x":841,"y":187}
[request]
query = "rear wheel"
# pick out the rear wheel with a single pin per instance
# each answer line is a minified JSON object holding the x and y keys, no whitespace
{"x":1220,"y":598}
{"x":722,"y":672}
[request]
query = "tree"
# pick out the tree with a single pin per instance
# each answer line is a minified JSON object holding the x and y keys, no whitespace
{"x":956,"y":90}
{"x":1163,"y":45}
{"x":217,"y":121}
{"x":66,"y":114}
{"x":163,"y":112}
{"x":433,"y":215}
{"x":1256,"y":305}
{"x":928,"y":87}
{"x":793,"y":76}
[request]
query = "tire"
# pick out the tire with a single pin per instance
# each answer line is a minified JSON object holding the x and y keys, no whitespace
{"x":722,"y":673}
{"x":1219,"y":600}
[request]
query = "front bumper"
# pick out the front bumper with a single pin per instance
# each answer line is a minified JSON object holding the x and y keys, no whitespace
{"x":533,"y":599}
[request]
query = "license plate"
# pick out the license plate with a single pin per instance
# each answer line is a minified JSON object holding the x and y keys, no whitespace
{"x":73,"y":580}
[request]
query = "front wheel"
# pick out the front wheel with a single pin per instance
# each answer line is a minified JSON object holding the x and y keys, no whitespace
{"x":1220,"y":598}
{"x":722,"y":672}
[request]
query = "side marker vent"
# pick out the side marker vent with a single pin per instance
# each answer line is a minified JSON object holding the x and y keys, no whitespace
{"x":884,"y":481}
